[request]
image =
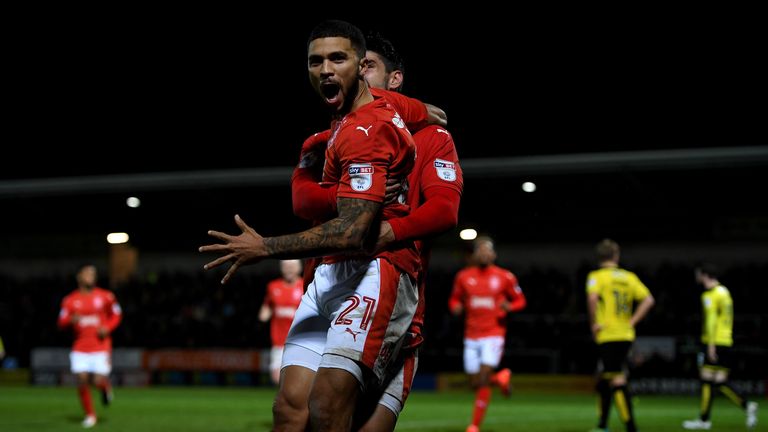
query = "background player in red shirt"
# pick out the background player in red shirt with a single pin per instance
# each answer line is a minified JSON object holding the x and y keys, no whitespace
{"x":485,"y":293}
{"x":347,"y":330}
{"x":280,"y":303}
{"x":434,"y":191}
{"x":92,"y":313}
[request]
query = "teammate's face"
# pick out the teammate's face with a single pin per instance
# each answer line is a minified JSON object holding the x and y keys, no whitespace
{"x":485,"y":254}
{"x":291,"y":269}
{"x":375,"y":71}
{"x":86,"y":277}
{"x":334,"y":71}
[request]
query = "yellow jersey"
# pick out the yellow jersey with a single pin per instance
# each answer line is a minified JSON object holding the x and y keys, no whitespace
{"x":617,"y":291}
{"x":717,"y":325}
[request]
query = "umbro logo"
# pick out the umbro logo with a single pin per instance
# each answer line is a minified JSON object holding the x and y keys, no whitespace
{"x":364,"y":129}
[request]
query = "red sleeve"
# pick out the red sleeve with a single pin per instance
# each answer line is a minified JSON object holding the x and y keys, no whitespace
{"x":440,"y":182}
{"x":439,"y":160}
{"x":412,"y":111}
{"x":515,"y":294}
{"x":311,"y":200}
{"x":439,"y":213}
{"x":364,"y":158}
{"x":65,"y":316}
{"x":114,"y":313}
{"x":457,"y":295}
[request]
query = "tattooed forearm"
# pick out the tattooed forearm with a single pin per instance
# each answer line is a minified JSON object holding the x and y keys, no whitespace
{"x":346,"y":233}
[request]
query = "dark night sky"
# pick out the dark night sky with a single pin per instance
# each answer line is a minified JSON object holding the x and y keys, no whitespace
{"x":143,"y":95}
{"x":209,"y":92}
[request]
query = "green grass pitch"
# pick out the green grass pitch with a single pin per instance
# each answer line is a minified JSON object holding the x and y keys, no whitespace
{"x":222,"y":409}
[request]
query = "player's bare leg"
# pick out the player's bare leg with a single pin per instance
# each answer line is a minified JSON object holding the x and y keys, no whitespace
{"x":290,"y":412}
{"x":332,"y":400}
{"x":382,"y":420}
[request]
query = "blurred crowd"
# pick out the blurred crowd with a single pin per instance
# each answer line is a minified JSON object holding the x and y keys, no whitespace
{"x":192,"y":310}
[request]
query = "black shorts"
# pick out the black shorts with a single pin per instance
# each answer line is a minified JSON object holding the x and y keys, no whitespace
{"x":613,"y":356}
{"x":724,"y":357}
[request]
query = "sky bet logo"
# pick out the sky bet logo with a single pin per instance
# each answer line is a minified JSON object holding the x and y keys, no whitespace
{"x":446,"y":170}
{"x":360,"y":177}
{"x":360,"y":170}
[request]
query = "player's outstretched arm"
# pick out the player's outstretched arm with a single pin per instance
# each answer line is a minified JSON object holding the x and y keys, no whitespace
{"x":343,"y":234}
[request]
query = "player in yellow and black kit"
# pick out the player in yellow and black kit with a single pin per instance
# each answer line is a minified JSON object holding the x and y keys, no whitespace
{"x":716,"y":358}
{"x":611,"y":295}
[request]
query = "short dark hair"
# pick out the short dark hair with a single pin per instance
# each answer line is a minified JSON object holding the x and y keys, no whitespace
{"x":384,"y":48}
{"x":337,"y":28}
{"x":480,"y":240}
{"x":606,"y":250}
{"x":708,"y":269}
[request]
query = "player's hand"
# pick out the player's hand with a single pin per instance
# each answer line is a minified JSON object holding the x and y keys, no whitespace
{"x":457,"y":310}
{"x":313,"y":149}
{"x":393,"y":189}
{"x":386,"y":236}
{"x":74,"y":318}
{"x":246,"y":248}
{"x":102,"y":332}
{"x":503,"y":309}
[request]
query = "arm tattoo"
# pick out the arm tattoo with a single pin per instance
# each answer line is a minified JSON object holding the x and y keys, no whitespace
{"x":346,"y":233}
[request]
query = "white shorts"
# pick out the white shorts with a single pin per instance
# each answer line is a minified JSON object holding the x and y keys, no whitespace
{"x":99,"y":362}
{"x":275,"y":357}
{"x":484,"y":351}
{"x":399,"y":388}
{"x":353,"y":312}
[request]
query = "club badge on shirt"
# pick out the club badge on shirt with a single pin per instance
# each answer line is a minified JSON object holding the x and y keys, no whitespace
{"x":360,"y":177}
{"x":446,"y":170}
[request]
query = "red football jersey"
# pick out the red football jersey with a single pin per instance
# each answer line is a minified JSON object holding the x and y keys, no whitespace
{"x":481,"y":292}
{"x":283,"y":298}
{"x":96,"y":308}
{"x":368,"y":146}
{"x":412,"y":111}
{"x":437,"y":165}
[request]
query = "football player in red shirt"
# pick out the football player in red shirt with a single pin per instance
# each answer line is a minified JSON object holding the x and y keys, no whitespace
{"x":347,"y":330}
{"x":433,"y":192}
{"x":485,"y":293}
{"x":280,"y":303}
{"x":93,"y":314}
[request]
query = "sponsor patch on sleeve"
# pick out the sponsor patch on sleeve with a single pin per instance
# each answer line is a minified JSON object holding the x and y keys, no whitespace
{"x":446,"y":170}
{"x":360,"y":177}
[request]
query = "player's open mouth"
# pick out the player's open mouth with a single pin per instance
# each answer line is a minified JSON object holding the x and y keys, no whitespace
{"x":331,"y":92}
